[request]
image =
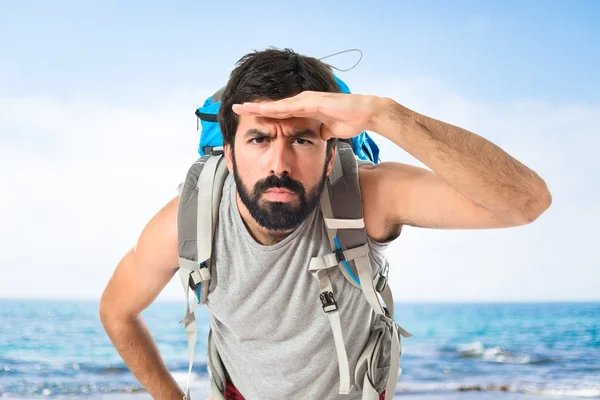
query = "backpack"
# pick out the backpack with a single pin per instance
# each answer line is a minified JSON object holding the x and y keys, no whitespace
{"x":200,"y":194}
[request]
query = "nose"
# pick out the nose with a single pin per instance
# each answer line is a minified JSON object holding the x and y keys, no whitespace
{"x":280,"y":158}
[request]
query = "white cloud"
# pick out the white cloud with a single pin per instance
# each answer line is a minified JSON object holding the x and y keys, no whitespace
{"x":80,"y":179}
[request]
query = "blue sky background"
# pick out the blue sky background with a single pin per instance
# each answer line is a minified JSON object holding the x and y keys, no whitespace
{"x":97,"y":126}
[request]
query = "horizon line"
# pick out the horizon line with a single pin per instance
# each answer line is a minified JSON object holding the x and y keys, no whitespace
{"x":426,"y":301}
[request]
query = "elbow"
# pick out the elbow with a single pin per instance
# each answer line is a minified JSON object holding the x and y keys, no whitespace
{"x":108,"y":310}
{"x":535,"y":205}
{"x":104,"y":310}
{"x":115,"y":311}
{"x":113,"y":320}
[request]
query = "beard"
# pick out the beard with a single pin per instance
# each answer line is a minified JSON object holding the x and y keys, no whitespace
{"x":275,"y":215}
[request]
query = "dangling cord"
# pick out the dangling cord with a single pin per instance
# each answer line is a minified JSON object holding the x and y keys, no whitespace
{"x":342,"y":52}
{"x":345,"y":70}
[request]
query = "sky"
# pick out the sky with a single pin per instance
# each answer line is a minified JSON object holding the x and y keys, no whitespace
{"x":97,"y":127}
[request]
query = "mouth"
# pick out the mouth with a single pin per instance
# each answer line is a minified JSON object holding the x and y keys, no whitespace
{"x":279,"y":195}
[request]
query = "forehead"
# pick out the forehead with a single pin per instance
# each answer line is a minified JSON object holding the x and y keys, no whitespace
{"x":275,"y":126}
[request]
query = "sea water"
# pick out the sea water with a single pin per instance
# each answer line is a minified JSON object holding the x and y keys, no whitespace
{"x":58,"y":349}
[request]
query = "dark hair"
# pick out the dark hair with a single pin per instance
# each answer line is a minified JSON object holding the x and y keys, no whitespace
{"x":271,"y":74}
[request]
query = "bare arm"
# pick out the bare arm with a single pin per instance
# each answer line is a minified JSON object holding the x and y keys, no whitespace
{"x":137,"y":281}
{"x":472,"y":183}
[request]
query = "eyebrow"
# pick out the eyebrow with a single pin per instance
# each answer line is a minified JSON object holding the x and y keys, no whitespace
{"x":304,"y":133}
{"x":253,"y":132}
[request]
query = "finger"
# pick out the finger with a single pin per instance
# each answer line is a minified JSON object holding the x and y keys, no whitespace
{"x":246,"y":109}
{"x":300,"y":105}
{"x":256,"y":111}
{"x":276,"y":109}
{"x":326,"y":133}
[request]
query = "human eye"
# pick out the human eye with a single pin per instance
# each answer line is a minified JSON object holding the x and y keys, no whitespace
{"x":258,"y":140}
{"x":302,"y":142}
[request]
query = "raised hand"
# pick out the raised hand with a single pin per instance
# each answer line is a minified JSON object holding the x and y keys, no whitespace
{"x":342,"y":115}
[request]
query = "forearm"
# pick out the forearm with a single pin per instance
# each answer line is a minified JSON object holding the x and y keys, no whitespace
{"x":474,"y":166}
{"x":138,"y":350}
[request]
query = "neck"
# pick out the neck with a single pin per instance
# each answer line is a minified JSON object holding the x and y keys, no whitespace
{"x":259,"y":233}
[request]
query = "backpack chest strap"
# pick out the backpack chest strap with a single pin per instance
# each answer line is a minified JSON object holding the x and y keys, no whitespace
{"x":333,"y":259}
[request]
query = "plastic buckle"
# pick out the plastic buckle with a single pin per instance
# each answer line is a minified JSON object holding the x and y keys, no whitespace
{"x":195,"y":277}
{"x":194,"y":280}
{"x":386,"y":312}
{"x":217,"y":151}
{"x":213,"y":150}
{"x":339,"y":255}
{"x":381,"y":283}
{"x":329,"y":303}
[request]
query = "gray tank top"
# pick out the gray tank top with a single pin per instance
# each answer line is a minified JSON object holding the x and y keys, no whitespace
{"x":268,"y":324}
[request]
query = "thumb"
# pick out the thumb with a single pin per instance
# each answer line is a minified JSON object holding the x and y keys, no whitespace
{"x":326,"y":132}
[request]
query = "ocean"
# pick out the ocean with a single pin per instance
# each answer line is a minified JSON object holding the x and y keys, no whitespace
{"x":59,"y":350}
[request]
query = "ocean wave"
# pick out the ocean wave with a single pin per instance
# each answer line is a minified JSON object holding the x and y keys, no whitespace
{"x":74,"y":379}
{"x":497,"y":354}
{"x":49,"y":389}
{"x":556,"y":389}
{"x":446,"y":387}
{"x":572,"y":391}
{"x":111,"y":385}
{"x":85,"y":387}
{"x":12,"y":367}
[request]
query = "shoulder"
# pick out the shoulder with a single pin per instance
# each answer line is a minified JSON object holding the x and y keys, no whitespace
{"x":157,"y":244}
{"x":154,"y":258}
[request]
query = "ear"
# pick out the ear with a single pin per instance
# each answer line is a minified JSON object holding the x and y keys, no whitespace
{"x":331,"y":159}
{"x":227,"y":150}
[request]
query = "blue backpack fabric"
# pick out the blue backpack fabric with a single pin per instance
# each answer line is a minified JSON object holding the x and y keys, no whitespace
{"x":363,"y":145}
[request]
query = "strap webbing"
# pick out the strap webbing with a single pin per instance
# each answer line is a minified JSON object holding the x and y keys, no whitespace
{"x":333,"y":223}
{"x":189,"y":322}
{"x":204,"y":229}
{"x":188,"y":265}
{"x":395,"y":370}
{"x":343,"y":364}
{"x":368,"y":391}
{"x":392,"y":381}
{"x":207,"y":201}
{"x":328,"y":214}
{"x":204,"y":226}
{"x":330,"y":260}
{"x":337,"y":171}
{"x":220,"y":174}
{"x":360,"y":256}
{"x":336,"y":328}
{"x":215,"y":368}
{"x":386,"y":294}
{"x":365,"y":274}
{"x":331,"y":233}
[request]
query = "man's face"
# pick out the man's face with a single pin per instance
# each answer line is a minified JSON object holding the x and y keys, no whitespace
{"x":279,"y":168}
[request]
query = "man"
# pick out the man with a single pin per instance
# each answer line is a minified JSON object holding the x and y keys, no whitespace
{"x":280,"y":116}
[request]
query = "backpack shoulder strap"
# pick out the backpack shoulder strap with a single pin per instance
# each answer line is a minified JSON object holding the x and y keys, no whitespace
{"x":196,"y":220}
{"x":199,"y":201}
{"x":342,"y":208}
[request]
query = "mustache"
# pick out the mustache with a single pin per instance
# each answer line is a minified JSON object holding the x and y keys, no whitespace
{"x":274,"y":181}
